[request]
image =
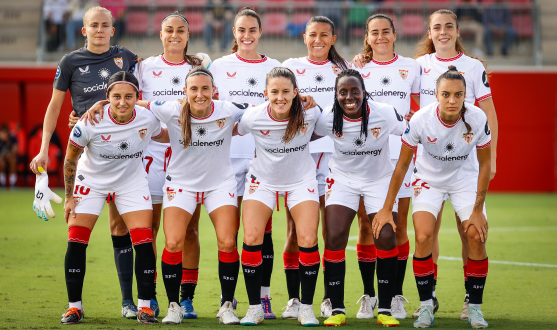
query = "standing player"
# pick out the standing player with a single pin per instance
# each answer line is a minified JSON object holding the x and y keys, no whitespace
{"x":449,"y":131}
{"x":111,"y":170}
{"x":283,"y":167}
{"x":84,"y":73}
{"x":315,"y":75}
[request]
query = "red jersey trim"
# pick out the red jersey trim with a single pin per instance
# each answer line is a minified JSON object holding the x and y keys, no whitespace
{"x":156,"y":136}
{"x":75,"y":144}
{"x":485,"y":97}
{"x":251,"y":61}
{"x":441,"y":120}
{"x":356,"y":120}
{"x":484,"y":146}
{"x":212,"y":110}
{"x":273,"y":118}
{"x":417,"y":94}
{"x":148,"y":107}
{"x":316,"y":63}
{"x":385,"y":62}
{"x":408,"y":144}
{"x":449,"y":59}
{"x":117,"y":123}
{"x":171,"y":63}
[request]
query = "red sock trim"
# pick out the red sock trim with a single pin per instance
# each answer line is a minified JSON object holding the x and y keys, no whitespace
{"x":465,"y":274}
{"x":171,"y":258}
{"x":269,"y":226}
{"x":477,"y":268}
{"x":155,"y":276}
{"x":423,"y":267}
{"x":435,"y":271}
{"x":142,"y":235}
{"x":229,"y":257}
{"x":366,"y":253}
{"x":404,"y":251}
{"x":334,"y":256}
{"x":190,"y":276}
{"x":79,"y":234}
{"x":387,"y":254}
{"x":291,"y":260}
{"x":252,"y":259}
{"x":309,"y":258}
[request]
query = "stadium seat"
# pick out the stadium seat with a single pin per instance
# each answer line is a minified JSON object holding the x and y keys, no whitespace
{"x":195,"y":18}
{"x":157,"y":20}
{"x":275,"y":23}
{"x":412,"y":25}
{"x":137,"y":23}
{"x":523,"y":25}
{"x":138,"y":3}
{"x":194,"y":3}
{"x":301,"y":18}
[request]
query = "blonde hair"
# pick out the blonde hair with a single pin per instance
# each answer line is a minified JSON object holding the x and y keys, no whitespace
{"x":97,"y":8}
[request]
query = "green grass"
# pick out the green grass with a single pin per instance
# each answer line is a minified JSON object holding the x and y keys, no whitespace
{"x":523,"y":228}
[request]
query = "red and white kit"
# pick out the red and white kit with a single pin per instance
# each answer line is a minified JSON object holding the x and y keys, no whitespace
{"x":394,"y":82}
{"x":110,"y":167}
{"x":161,"y":80}
{"x":280,"y":169}
{"x":242,"y":80}
{"x":202,"y":173}
{"x":446,"y":165}
{"x":360,"y":165}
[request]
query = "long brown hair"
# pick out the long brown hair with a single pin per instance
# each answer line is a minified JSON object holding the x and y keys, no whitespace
{"x":185,"y":111}
{"x":453,"y":74}
{"x":191,"y":60}
{"x":333,"y":55}
{"x":245,"y":11}
{"x":296,"y":118}
{"x":426,"y":46}
{"x":368,"y":51}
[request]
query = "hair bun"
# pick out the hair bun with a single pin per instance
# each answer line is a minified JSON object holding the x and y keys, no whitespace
{"x":452,"y":68}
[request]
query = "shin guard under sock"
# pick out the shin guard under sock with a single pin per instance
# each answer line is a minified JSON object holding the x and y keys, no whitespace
{"x":477,"y":274}
{"x":123,"y":258}
{"x":229,"y":266}
{"x":171,"y":267}
{"x":367,"y":256}
{"x":386,"y":276}
{"x":251,"y":264}
{"x":291,"y":269}
{"x":268,"y":254}
{"x":335,"y":265}
{"x":74,"y":264}
{"x":309,"y":270}
{"x":403,"y":253}
{"x":188,"y":283}
{"x":145,"y":262}
{"x":423,"y":272}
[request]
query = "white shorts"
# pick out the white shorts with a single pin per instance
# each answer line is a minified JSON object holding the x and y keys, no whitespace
{"x":224,"y":194}
{"x":429,"y":199}
{"x":406,"y":187}
{"x":305,"y":191}
{"x":155,"y":162}
{"x":240,"y":166}
{"x":321,"y":160}
{"x":348,"y":194}
{"x":135,"y":197}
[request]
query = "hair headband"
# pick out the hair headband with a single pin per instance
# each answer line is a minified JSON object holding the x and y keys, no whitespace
{"x":201,"y":72}
{"x":123,"y":82}
{"x":176,"y":15}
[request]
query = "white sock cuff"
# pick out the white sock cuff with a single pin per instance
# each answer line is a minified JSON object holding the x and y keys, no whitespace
{"x":76,"y":304}
{"x":143,"y":303}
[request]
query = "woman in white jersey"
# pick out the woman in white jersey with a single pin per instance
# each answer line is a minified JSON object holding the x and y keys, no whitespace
{"x":110,"y":170}
{"x":361,"y":166}
{"x":283,"y":167}
{"x":449,"y":130}
{"x":315,"y":74}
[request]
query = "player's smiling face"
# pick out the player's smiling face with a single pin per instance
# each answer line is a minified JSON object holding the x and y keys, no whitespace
{"x":174,"y":34}
{"x":280,"y":91}
{"x":380,"y":36}
{"x":122,"y":98}
{"x":247,"y":33}
{"x":319,"y":38}
{"x":451,"y":95}
{"x":199,"y":91}
{"x":98,"y":28}
{"x":443,"y":32}
{"x":350,"y":95}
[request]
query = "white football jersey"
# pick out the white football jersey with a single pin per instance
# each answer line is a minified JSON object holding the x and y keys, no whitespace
{"x":393,"y":82}
{"x":447,"y":149}
{"x":243,"y":81}
{"x":356,"y":157}
{"x":477,"y":84}
{"x":318,"y":80}
{"x":114,"y":150}
{"x":205,"y":163}
{"x":279,"y":165}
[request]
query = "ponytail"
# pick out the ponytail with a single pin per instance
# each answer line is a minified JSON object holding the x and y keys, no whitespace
{"x":245,"y":11}
{"x":333,"y":55}
{"x":453,"y":74}
{"x":191,"y":60}
{"x":368,"y":51}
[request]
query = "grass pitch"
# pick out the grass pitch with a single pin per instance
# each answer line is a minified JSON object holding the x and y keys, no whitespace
{"x":521,"y":289}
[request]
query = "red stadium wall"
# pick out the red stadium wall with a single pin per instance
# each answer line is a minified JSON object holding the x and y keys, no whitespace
{"x":526,"y":103}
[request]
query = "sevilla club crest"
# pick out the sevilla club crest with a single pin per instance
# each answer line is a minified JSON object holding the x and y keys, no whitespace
{"x":119,"y":62}
{"x":220,"y":122}
{"x":417,"y":191}
{"x":170,"y":194}
{"x":142,"y":133}
{"x":253,"y":188}
{"x":403,"y":74}
{"x":304,"y":128}
{"x":375,"y":132}
{"x":336,"y":69}
{"x":468,"y":137}
{"x":328,"y":194}
{"x":77,"y":200}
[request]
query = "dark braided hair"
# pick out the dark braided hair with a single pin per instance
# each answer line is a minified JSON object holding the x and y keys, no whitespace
{"x":453,"y":74}
{"x":338,"y":112}
{"x":333,"y":55}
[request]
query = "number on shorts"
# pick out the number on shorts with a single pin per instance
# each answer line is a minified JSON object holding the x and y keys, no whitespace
{"x":149,"y":161}
{"x":167,"y":155}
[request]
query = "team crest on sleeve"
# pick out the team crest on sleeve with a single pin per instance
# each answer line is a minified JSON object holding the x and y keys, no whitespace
{"x":468,"y":137}
{"x":336,"y":69}
{"x":58,"y":71}
{"x":77,"y":132}
{"x":159,"y":103}
{"x":220,"y":122}
{"x":403,"y":74}
{"x":407,"y":129}
{"x":304,"y":128}
{"x":486,"y":129}
{"x":119,"y":62}
{"x":142,"y":133}
{"x":77,"y":200}
{"x":375,"y":132}
{"x":170,"y":194}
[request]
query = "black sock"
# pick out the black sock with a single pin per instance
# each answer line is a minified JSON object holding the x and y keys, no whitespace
{"x":123,"y":258}
{"x":75,"y":270}
{"x":268,"y":255}
{"x":251,"y":264}
{"x":386,"y":276}
{"x":400,"y":272}
{"x":423,"y":272}
{"x":291,"y":262}
{"x":188,"y":283}
{"x":477,"y":275}
{"x":335,"y":265}
{"x":309,"y":270}
{"x":367,"y":270}
{"x":325,"y":287}
{"x":171,"y":267}
{"x":229,"y":266}
{"x":145,"y":264}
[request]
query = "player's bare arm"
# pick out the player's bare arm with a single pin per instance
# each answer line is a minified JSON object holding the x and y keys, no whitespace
{"x":489,"y":108}
{"x":89,"y":115}
{"x":70,"y":167}
{"x":478,"y":218}
{"x":308,"y":101}
{"x":163,"y":137}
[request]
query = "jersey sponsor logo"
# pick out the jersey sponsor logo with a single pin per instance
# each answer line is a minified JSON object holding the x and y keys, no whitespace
{"x":216,"y":143}
{"x":119,"y":62}
{"x":362,"y":153}
{"x":266,"y":133}
{"x":468,"y":137}
{"x":398,"y":116}
{"x":486,"y":129}
{"x":84,"y":71}
{"x":300,"y":73}
{"x":336,"y":69}
{"x":138,"y":154}
{"x":104,"y":73}
{"x":58,"y":71}
{"x":316,"y":89}
{"x":142,"y":133}
{"x":94,"y":88}
{"x":252,"y":81}
{"x":385,"y":81}
{"x":231,"y":75}
{"x":231,"y":195}
{"x":285,"y":150}
{"x":201,"y":131}
{"x":77,"y":200}
{"x":105,"y":139}
{"x":246,"y":93}
{"x":166,"y":92}
{"x":77,"y":132}
{"x":403,"y":74}
{"x":170,"y":194}
{"x":176,"y":81}
{"x":425,"y":91}
{"x":430,"y":140}
{"x":311,"y":191}
{"x":447,"y":158}
{"x":450,"y":147}
{"x":220,"y":122}
{"x":366,"y":76}
{"x":407,"y":185}
{"x":375,"y":132}
{"x":304,"y":128}
{"x":426,"y":71}
{"x":318,"y":78}
{"x":157,"y":75}
{"x":358,"y":142}
{"x":124,"y":145}
{"x":159,"y":103}
{"x":485,"y":80}
{"x":400,"y":94}
{"x":407,"y":129}
{"x":146,"y":198}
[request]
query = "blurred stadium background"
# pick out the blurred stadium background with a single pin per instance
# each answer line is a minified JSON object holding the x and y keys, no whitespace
{"x":34,"y":35}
